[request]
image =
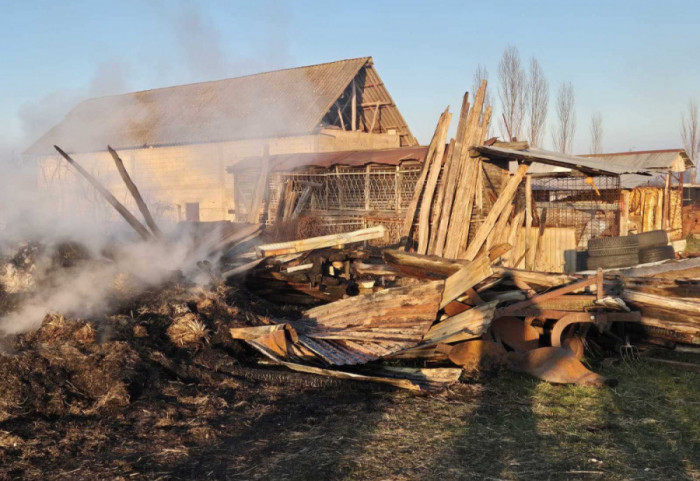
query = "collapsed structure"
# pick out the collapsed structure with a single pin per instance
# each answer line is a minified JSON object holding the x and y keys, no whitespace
{"x":451,"y":254}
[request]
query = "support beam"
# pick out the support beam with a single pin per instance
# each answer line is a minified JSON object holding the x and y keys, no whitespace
{"x":354,"y":106}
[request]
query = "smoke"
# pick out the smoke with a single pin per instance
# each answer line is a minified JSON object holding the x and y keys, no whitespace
{"x":54,"y":206}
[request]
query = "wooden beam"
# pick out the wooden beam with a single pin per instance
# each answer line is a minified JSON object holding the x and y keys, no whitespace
{"x":312,"y":243}
{"x":340,"y":116}
{"x":449,"y":182}
{"x":123,"y":211}
{"x":431,"y":183}
{"x":505,"y":198}
{"x":529,"y":252}
{"x":624,"y":212}
{"x":354,"y":106}
{"x":143,"y":208}
{"x":465,"y":278}
{"x":413,"y":206}
{"x":374,"y":118}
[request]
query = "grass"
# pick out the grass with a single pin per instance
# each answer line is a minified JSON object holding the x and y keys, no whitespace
{"x":511,"y":427}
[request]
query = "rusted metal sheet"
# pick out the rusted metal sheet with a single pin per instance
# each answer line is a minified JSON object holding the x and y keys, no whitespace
{"x":556,"y":365}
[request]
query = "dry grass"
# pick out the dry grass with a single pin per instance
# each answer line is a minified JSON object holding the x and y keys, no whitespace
{"x":188,"y":331}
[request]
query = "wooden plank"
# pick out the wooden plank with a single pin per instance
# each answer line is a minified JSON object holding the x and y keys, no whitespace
{"x":418,"y":189}
{"x":427,"y":265}
{"x":431,"y":183}
{"x":143,"y":208}
{"x":464,"y":195}
{"x":505,"y":198}
{"x":465,"y":325}
{"x":682,"y":306}
{"x":529,"y":251}
{"x":440,"y":198}
{"x":303,"y":245}
{"x":465,"y":278}
{"x":450,"y":182}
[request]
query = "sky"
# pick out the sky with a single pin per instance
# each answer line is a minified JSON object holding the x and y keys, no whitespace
{"x":635,"y":62}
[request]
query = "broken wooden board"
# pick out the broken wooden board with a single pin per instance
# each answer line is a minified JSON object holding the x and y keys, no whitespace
{"x":397,"y":317}
{"x":302,"y":245}
{"x":465,"y":278}
{"x":464,"y":326}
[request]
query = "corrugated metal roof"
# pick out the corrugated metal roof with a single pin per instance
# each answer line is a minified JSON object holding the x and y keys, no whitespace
{"x":648,"y":159}
{"x":352,"y":158}
{"x":272,"y":104}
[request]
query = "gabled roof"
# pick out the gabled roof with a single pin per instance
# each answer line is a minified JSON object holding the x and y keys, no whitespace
{"x":351,"y":158}
{"x":649,"y":160}
{"x":272,"y":104}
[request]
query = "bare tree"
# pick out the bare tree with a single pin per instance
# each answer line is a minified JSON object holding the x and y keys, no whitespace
{"x":563,"y":135}
{"x":479,"y":75}
{"x":597,"y":133}
{"x":690,"y":133}
{"x":538,"y":93}
{"x":512,"y":91}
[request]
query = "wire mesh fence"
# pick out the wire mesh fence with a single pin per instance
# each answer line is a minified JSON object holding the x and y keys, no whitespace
{"x":591,"y":205}
{"x":349,"y":198}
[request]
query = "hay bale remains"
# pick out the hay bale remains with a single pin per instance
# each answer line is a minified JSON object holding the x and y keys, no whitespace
{"x":188,"y":332}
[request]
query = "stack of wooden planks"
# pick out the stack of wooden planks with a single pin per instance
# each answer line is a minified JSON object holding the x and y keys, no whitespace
{"x":446,"y":193}
{"x":410,"y":307}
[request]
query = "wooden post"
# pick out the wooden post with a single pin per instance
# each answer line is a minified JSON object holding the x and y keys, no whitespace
{"x":374,"y":118}
{"x":666,"y":202}
{"x":529,"y":253}
{"x":624,"y":212}
{"x":354,"y":106}
{"x":367,"y":187}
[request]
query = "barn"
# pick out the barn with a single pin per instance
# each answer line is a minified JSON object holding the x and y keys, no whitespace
{"x":177,"y":142}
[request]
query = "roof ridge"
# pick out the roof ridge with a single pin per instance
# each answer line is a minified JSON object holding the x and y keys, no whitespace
{"x":267,"y":72}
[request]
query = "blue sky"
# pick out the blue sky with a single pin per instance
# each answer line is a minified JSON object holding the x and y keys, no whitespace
{"x":637,"y":62}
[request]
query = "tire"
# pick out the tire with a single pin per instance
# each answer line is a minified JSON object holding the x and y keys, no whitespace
{"x":655,"y":254}
{"x":613,"y":246}
{"x":652,"y":238}
{"x":610,"y":262}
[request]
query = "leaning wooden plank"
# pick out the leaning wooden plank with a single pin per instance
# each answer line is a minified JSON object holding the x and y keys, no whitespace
{"x":411,"y":211}
{"x":500,"y":228}
{"x":241,"y":269}
{"x":431,"y":183}
{"x":465,"y":325}
{"x":123,"y":211}
{"x":464,"y":195}
{"x":292,"y":247}
{"x":449,"y":183}
{"x":504,"y":199}
{"x":467,"y":277}
{"x":529,"y":251}
{"x":143,"y":208}
{"x":440,"y":197}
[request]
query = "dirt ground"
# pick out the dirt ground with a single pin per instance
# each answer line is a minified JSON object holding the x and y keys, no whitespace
{"x":202,"y":415}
